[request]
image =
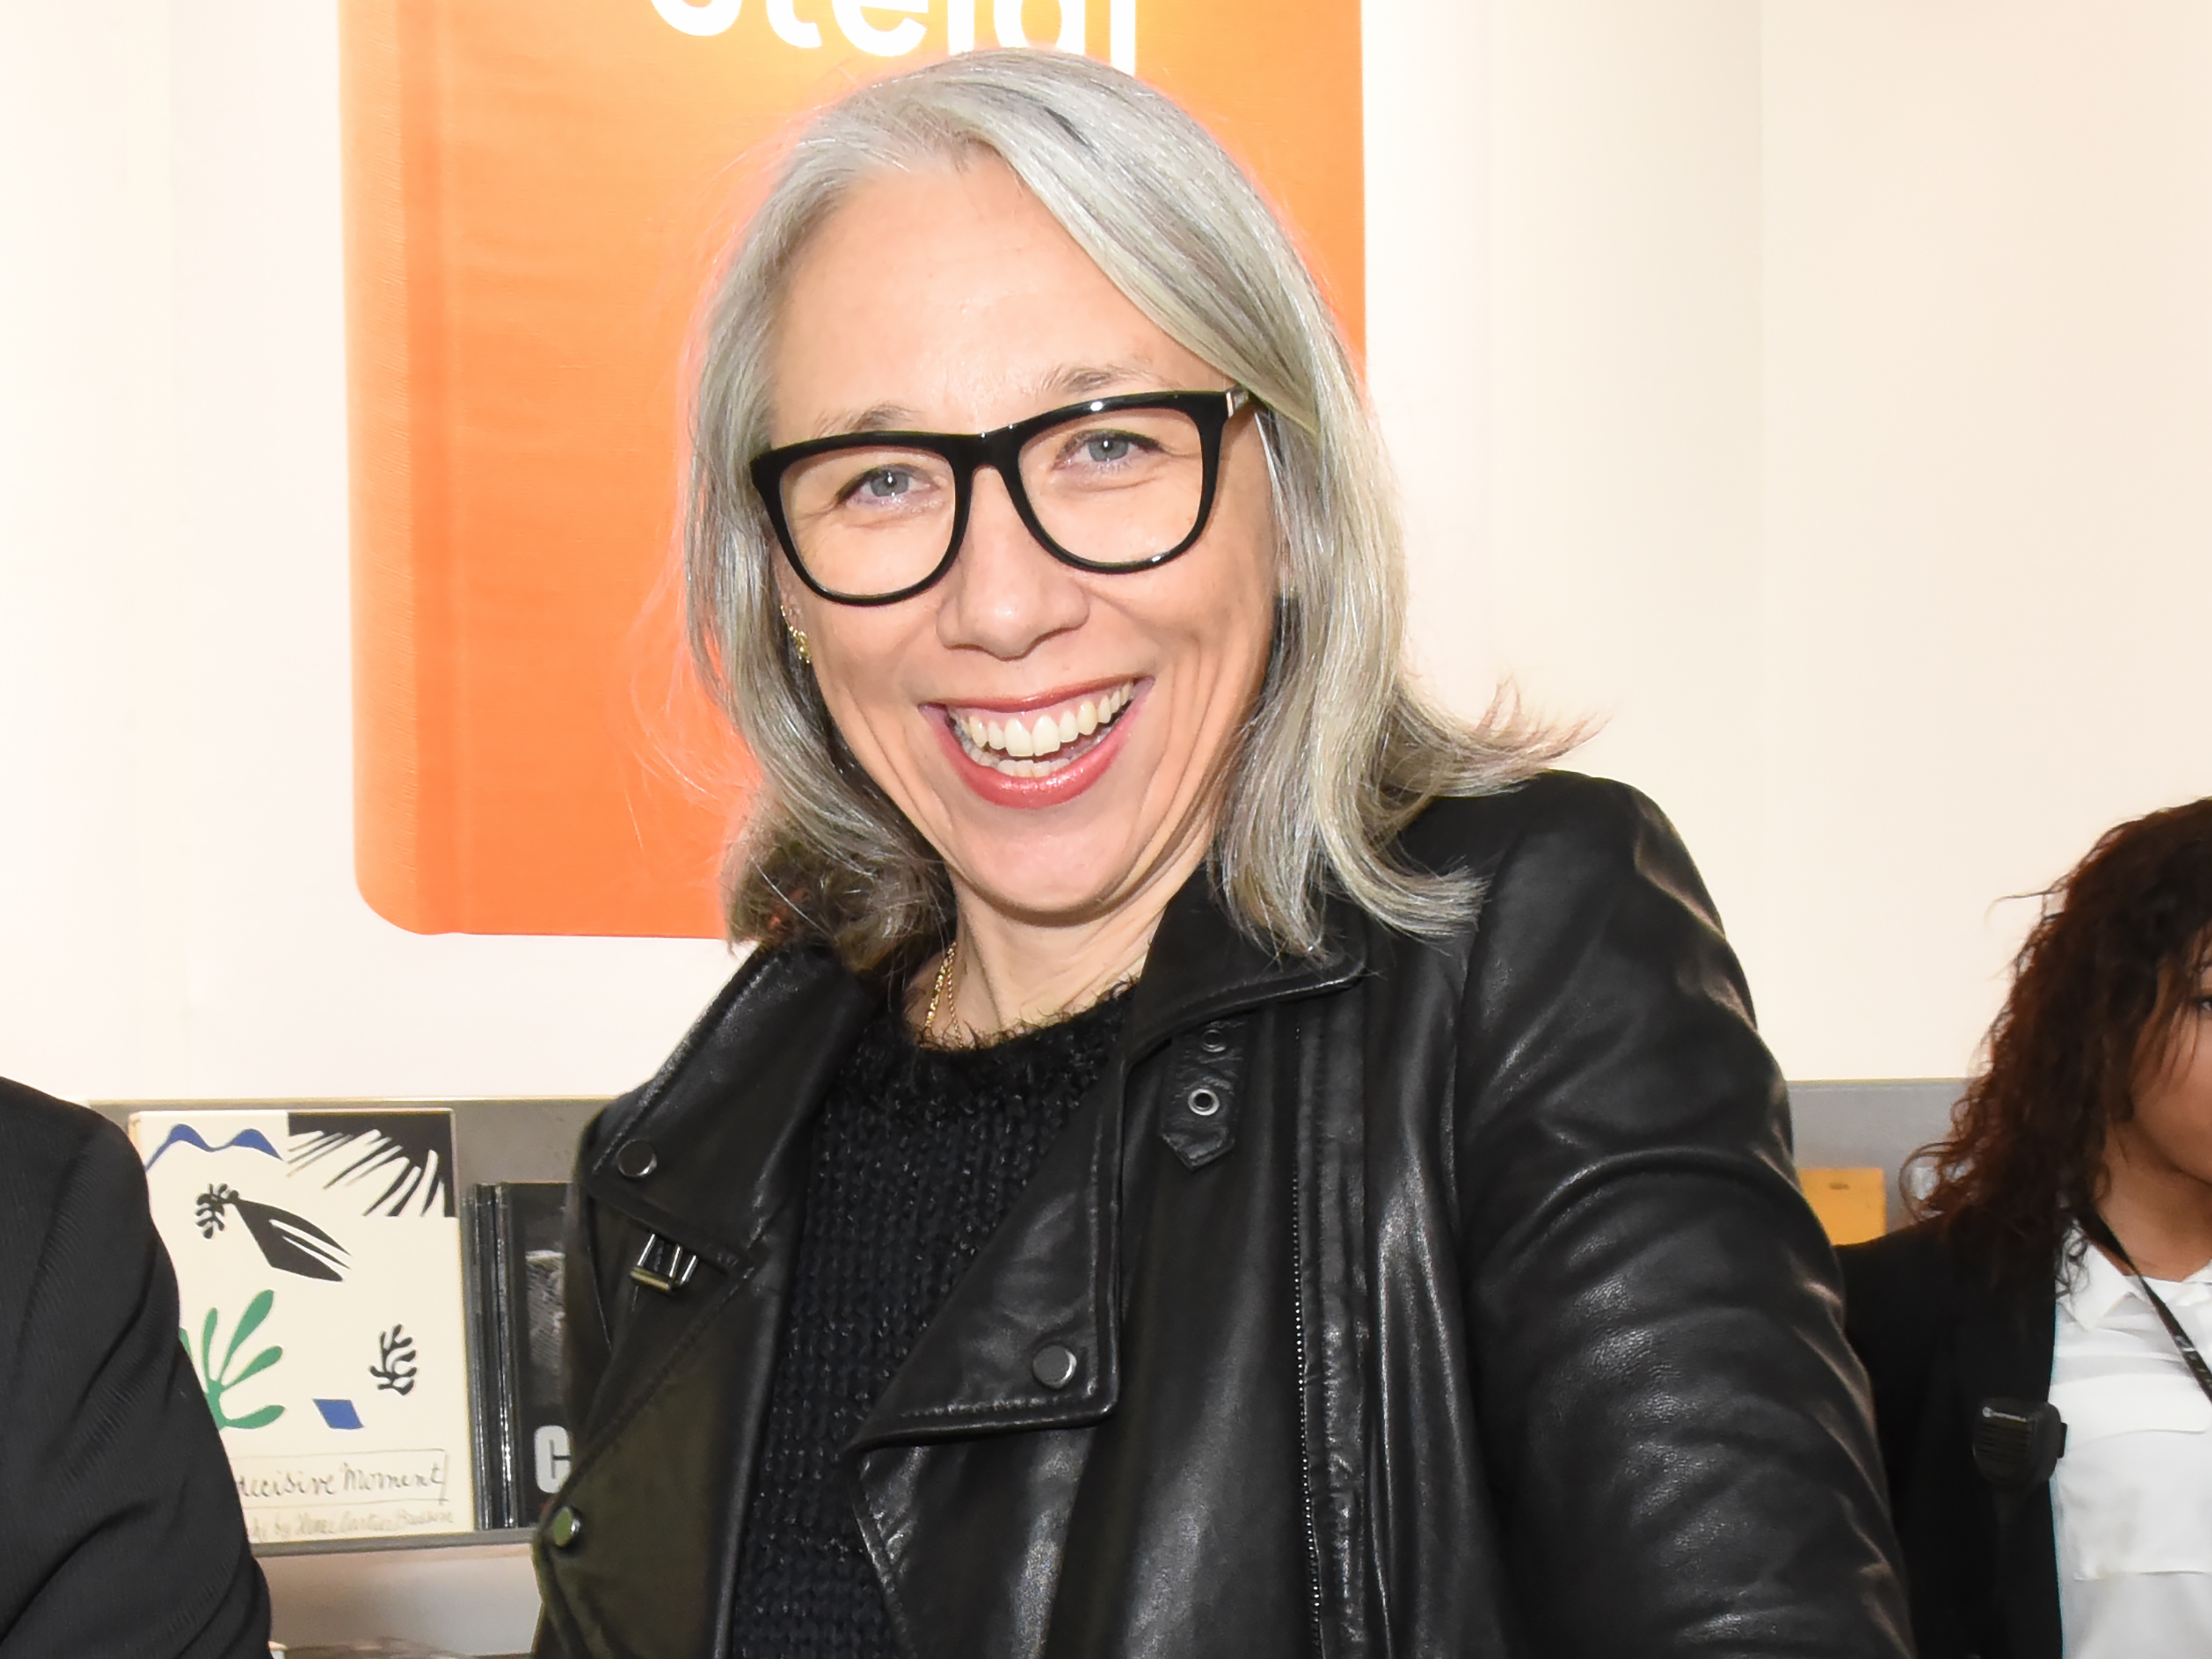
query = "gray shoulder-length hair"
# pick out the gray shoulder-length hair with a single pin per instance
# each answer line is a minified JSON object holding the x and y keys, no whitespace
{"x":1341,"y":748}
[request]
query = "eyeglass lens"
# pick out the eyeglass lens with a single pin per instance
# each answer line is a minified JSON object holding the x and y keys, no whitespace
{"x":1119,"y":487}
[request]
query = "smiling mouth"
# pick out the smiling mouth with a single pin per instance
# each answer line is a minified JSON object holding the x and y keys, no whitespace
{"x":1038,"y":745}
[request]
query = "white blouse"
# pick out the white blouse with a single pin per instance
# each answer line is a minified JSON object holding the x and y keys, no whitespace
{"x":2132,"y":1497}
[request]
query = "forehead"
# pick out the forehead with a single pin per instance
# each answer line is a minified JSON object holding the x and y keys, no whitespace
{"x":945,"y":295}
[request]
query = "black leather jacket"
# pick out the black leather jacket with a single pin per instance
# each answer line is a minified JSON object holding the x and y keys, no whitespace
{"x":1433,"y":1297}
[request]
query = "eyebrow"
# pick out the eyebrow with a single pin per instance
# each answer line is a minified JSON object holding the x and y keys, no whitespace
{"x":1079,"y":381}
{"x":1070,"y":383}
{"x":879,"y":417}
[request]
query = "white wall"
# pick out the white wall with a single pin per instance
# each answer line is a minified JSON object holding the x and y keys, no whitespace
{"x":85,"y":346}
{"x":1818,"y":392}
{"x":1989,"y":486}
{"x":178,"y":916}
{"x":1852,"y":385}
{"x":1625,"y":552}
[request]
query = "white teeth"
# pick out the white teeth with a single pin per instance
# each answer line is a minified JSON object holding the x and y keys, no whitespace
{"x":1047,"y":734}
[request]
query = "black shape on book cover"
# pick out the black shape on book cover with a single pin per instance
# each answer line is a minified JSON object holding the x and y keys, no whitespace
{"x":410,"y":1153}
{"x":289,"y":1243}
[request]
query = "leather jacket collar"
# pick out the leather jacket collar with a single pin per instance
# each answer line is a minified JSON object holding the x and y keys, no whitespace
{"x":718,"y":1131}
{"x":1203,"y":966}
{"x":718,"y":1119}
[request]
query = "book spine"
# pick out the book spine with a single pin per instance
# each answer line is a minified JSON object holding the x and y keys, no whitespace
{"x":514,"y":1307}
{"x":487,"y":1407}
{"x":514,"y":1492}
{"x":473,"y":1312}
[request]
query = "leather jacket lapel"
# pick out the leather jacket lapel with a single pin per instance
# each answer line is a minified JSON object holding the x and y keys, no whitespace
{"x":1029,"y":1339}
{"x":1046,"y":1280}
{"x":705,"y":1156}
{"x":643,"y":1569}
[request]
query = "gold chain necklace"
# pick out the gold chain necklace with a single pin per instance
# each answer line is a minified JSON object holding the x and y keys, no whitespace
{"x":944,"y":979}
{"x":937,"y":991}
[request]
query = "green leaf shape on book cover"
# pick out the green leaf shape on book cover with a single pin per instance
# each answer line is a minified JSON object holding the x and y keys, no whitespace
{"x":218,"y":1383}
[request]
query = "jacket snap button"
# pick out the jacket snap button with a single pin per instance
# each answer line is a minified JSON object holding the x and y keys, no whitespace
{"x":1203,"y":1103}
{"x":564,"y":1529}
{"x":1054,"y":1365}
{"x":636,"y":1159}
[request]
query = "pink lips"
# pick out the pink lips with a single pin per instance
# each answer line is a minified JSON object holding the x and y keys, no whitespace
{"x":1063,"y":784}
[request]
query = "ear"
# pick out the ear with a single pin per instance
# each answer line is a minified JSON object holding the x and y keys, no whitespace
{"x":796,"y":604}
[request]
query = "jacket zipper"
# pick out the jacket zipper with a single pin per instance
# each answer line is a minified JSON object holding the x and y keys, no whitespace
{"x":1305,"y":1415}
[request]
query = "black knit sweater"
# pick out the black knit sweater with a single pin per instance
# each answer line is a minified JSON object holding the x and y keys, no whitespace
{"x":915,"y":1159}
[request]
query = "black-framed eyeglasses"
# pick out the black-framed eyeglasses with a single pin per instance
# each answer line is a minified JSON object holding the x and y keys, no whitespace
{"x":1109,"y":484}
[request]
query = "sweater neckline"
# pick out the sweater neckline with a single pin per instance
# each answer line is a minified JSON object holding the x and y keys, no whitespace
{"x":1015,"y":1044}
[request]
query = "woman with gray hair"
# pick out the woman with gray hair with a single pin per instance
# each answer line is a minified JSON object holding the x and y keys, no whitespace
{"x":1211,"y":1155}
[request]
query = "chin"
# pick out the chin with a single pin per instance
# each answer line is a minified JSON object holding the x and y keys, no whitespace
{"x":1032,"y":882}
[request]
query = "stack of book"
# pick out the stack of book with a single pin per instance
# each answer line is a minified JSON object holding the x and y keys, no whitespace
{"x":522,"y":1438}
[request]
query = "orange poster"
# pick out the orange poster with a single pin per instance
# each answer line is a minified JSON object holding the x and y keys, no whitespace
{"x":536,"y":191}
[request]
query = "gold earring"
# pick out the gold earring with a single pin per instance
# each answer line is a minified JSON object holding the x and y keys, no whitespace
{"x":798,"y":641}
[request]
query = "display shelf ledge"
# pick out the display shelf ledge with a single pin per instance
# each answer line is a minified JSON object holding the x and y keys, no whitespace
{"x":421,"y":1541}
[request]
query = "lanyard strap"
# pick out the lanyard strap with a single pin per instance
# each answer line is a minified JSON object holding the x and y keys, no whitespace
{"x":2094,"y":1224}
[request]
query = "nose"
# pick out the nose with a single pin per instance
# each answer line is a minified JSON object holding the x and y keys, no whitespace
{"x":1005,"y":593}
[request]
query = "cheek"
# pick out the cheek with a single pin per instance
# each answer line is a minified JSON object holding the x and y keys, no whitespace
{"x":1233,"y":607}
{"x":2191,"y":1083}
{"x":2176,"y":1110}
{"x":856,"y":665}
{"x":1220,"y":627}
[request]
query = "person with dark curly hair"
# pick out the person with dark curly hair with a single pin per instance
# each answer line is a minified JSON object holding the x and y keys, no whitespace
{"x":2034,"y":1338}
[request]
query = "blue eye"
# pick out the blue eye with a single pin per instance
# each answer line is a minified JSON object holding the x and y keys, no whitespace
{"x":1107,"y":448}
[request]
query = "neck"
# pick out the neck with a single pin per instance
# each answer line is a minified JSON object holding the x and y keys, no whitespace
{"x":2161,"y":1214}
{"x":1012,"y":971}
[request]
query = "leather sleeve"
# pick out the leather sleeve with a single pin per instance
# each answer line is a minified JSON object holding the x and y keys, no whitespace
{"x":120,"y":1533}
{"x":1678,"y":1433}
